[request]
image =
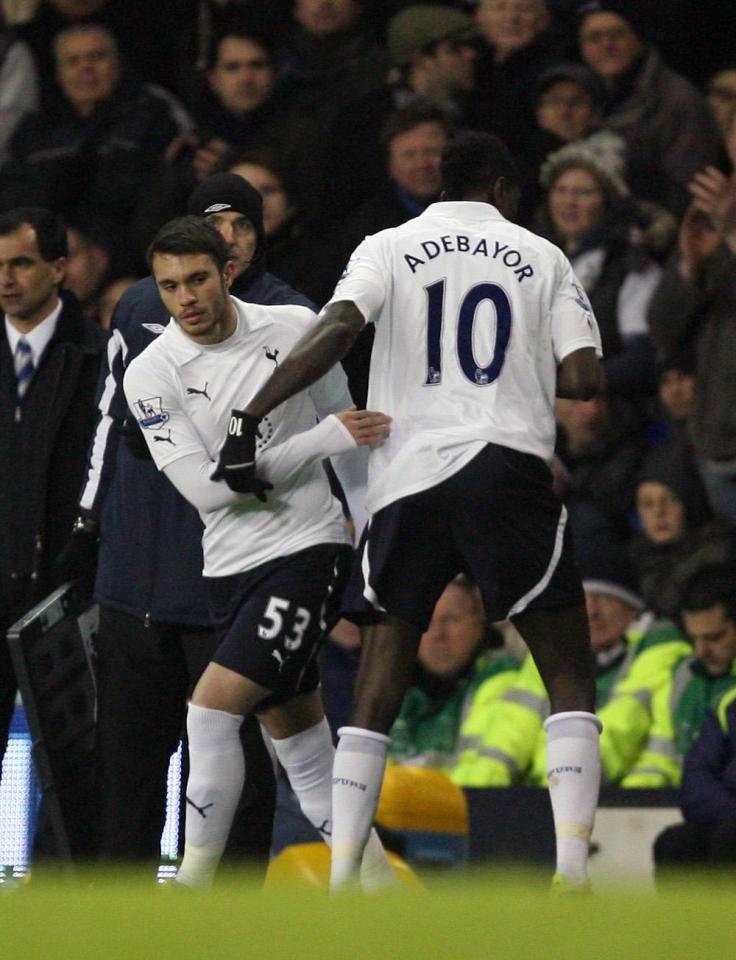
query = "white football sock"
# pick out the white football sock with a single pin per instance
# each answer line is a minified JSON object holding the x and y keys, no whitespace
{"x":308,"y":758}
{"x":216,"y":777}
{"x":357,"y":776}
{"x":574,"y":773}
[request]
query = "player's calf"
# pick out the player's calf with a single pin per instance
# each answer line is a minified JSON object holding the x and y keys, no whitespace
{"x":216,"y":777}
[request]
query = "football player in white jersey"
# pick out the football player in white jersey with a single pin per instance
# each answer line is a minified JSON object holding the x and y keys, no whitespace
{"x":479,"y":325}
{"x":273,"y":566}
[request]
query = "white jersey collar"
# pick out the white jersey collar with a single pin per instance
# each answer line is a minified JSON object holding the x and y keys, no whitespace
{"x":463,"y":210}
{"x":182,"y":349}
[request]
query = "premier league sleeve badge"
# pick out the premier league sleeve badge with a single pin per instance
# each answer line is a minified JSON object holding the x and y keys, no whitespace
{"x":150,"y":413}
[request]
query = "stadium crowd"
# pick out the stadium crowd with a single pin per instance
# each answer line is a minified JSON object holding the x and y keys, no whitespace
{"x":117,"y":116}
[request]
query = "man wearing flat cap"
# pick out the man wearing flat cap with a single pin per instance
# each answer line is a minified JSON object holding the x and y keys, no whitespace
{"x":433,"y":59}
{"x":662,"y":117}
{"x":431,"y":50}
{"x":155,"y":636}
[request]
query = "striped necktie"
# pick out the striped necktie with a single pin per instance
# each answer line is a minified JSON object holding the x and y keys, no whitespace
{"x":23,"y":368}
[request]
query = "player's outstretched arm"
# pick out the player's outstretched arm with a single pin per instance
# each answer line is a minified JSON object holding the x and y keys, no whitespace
{"x":316,"y":353}
{"x":335,"y":435}
{"x":579,"y":375}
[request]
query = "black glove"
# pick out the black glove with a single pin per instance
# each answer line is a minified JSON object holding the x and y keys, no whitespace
{"x":237,"y":462}
{"x":134,"y":440}
{"x":78,"y":558}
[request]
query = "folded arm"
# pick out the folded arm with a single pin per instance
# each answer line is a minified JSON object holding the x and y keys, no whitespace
{"x":191,"y":474}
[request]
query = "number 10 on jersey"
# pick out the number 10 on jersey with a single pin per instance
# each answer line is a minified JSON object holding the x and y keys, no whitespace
{"x":480,"y":376}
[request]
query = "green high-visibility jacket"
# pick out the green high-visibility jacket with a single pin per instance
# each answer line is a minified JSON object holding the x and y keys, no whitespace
{"x":679,"y":709}
{"x":427,"y":732}
{"x":509,"y":738}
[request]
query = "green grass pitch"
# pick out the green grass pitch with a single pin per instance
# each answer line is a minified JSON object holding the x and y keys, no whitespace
{"x":502,"y":915}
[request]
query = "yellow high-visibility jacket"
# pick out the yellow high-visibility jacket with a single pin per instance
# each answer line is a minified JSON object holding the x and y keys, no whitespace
{"x":679,"y":709}
{"x":508,"y":743}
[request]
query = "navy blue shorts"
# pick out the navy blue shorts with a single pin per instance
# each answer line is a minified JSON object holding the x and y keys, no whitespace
{"x":497,"y":520}
{"x":272,"y":619}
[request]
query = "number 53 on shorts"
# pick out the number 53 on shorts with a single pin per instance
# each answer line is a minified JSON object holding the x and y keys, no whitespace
{"x":282,"y":618}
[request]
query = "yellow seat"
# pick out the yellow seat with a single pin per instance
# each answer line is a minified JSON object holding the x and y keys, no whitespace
{"x":422,"y":800}
{"x":308,"y":864}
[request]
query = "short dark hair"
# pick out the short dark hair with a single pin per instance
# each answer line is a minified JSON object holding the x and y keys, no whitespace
{"x":413,"y":115}
{"x":709,"y":586}
{"x":240,"y":33}
{"x":50,"y":230}
{"x":474,"y":161}
{"x":189,"y":235}
{"x":92,"y":26}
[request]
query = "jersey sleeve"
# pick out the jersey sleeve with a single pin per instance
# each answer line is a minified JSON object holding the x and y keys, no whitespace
{"x":153,"y":400}
{"x":330,"y":394}
{"x":365,"y":279}
{"x":573,"y":323}
{"x":191,"y":474}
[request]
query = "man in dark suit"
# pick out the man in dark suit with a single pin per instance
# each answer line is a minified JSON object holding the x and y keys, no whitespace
{"x":49,"y":362}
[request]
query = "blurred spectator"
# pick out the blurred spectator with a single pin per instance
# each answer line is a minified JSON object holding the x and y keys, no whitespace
{"x":516,"y":49}
{"x":600,"y":449}
{"x":707,"y":838}
{"x":695,"y":307}
{"x":433,"y":57}
{"x":678,"y":534}
{"x":334,"y":66}
{"x":95,"y":249}
{"x":590,"y":216}
{"x":458,"y":672}
{"x":721,"y":93}
{"x":293,"y":254}
{"x":509,"y":736}
{"x":676,"y":392}
{"x":95,"y":143}
{"x":433,"y":61}
{"x":665,"y":121}
{"x":18,"y":84}
{"x":242,"y":108}
{"x":567,"y":107}
{"x":708,"y":610}
{"x":243,"y":105}
{"x":143,"y":32}
{"x":50,"y":358}
{"x":412,"y":138}
{"x":205,"y":21}
{"x":109,"y":297}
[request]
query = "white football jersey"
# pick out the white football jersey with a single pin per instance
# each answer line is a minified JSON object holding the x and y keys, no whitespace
{"x":182,"y":393}
{"x":473,"y":314}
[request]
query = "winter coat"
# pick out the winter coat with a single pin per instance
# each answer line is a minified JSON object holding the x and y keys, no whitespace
{"x":708,"y":792}
{"x":701,"y":313}
{"x":669,"y":131}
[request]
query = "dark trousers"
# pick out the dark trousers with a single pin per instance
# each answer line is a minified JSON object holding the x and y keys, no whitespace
{"x":16,"y":599}
{"x":8,"y":687}
{"x":144,"y":676}
{"x":694,"y":845}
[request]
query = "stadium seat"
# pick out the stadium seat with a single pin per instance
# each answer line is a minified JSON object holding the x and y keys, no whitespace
{"x":428,"y":812}
{"x":308,"y":864}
